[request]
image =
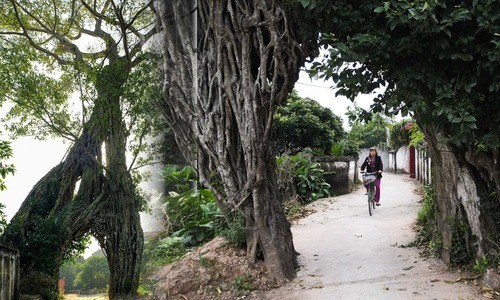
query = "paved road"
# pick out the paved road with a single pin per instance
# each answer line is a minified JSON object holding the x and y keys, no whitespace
{"x":346,"y":254}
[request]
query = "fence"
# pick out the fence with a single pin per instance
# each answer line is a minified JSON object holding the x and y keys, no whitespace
{"x":9,"y":273}
{"x":423,"y":166}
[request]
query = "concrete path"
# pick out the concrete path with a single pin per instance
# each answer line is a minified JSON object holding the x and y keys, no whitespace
{"x":347,"y":254}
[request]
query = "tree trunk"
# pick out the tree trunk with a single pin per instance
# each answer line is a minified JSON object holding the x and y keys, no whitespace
{"x":229,"y":76}
{"x":468,"y":204}
{"x":117,"y":225}
{"x":118,"y":228}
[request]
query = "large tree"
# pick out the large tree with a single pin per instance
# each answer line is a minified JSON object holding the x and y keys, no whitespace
{"x":304,"y":123}
{"x":93,"y":49}
{"x":441,"y":61}
{"x":235,"y":61}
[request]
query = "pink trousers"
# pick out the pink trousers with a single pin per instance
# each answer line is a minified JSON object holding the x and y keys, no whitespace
{"x":377,"y":190}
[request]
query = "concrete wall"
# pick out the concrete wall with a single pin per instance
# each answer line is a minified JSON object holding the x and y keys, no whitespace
{"x":9,"y":273}
{"x":340,"y":173}
{"x":399,"y":161}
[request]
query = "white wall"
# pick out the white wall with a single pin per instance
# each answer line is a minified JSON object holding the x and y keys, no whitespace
{"x":403,"y":160}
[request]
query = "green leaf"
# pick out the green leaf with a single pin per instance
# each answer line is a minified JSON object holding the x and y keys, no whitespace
{"x":469,"y":118}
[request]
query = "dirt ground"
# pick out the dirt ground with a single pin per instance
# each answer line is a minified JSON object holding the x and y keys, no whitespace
{"x":344,"y":254}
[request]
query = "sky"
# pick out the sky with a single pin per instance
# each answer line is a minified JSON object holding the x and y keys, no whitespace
{"x":322,"y":92}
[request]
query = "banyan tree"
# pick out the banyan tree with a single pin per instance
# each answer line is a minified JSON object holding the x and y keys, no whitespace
{"x":235,"y":61}
{"x":91,"y":51}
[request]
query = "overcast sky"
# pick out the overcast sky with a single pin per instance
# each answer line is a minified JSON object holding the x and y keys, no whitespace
{"x":321,"y":91}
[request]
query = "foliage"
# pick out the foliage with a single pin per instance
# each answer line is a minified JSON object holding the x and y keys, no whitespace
{"x":235,"y":231}
{"x":191,"y":212}
{"x":94,"y":276}
{"x":159,"y":252}
{"x":193,"y":215}
{"x":417,"y":136}
{"x":304,"y":123}
{"x":482,"y":264}
{"x":5,"y":169}
{"x":400,"y":134}
{"x":437,"y":59}
{"x":337,"y":150}
{"x":243,"y":283}
{"x":370,"y":133}
{"x":350,"y":145}
{"x":162,"y":251}
{"x":36,"y":283}
{"x":428,"y":237}
{"x":460,"y":231}
{"x":427,"y":217}
{"x":179,"y":179}
{"x":488,"y":260}
{"x":69,"y":270}
{"x":308,"y":177}
{"x":490,"y":206}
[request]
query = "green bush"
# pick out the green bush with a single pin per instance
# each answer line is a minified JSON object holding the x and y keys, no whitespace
{"x":426,"y":218}
{"x":193,"y":215}
{"x":179,"y":179}
{"x":426,"y":221}
{"x":307,"y":175}
{"x":94,"y":275}
{"x":235,"y":231}
{"x":348,"y":146}
{"x":304,"y":123}
{"x":460,"y":234}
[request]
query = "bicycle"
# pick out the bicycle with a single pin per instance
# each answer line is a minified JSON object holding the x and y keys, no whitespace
{"x":369,"y":183}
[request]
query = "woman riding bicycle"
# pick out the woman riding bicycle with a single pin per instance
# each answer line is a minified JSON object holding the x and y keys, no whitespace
{"x":373,"y":163}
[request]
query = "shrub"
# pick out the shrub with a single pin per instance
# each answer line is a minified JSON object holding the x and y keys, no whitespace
{"x":193,"y":215}
{"x":307,"y":175}
{"x":426,"y":215}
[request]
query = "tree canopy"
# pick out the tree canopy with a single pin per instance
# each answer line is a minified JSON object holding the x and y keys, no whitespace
{"x":435,"y":58}
{"x":370,"y":133}
{"x":304,"y":123}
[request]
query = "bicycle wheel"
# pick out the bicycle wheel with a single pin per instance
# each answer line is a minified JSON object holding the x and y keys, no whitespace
{"x":370,"y":200}
{"x":373,"y":198}
{"x":371,"y":204}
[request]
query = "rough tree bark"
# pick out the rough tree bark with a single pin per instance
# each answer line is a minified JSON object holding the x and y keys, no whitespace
{"x":465,"y":181}
{"x":231,"y":70}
